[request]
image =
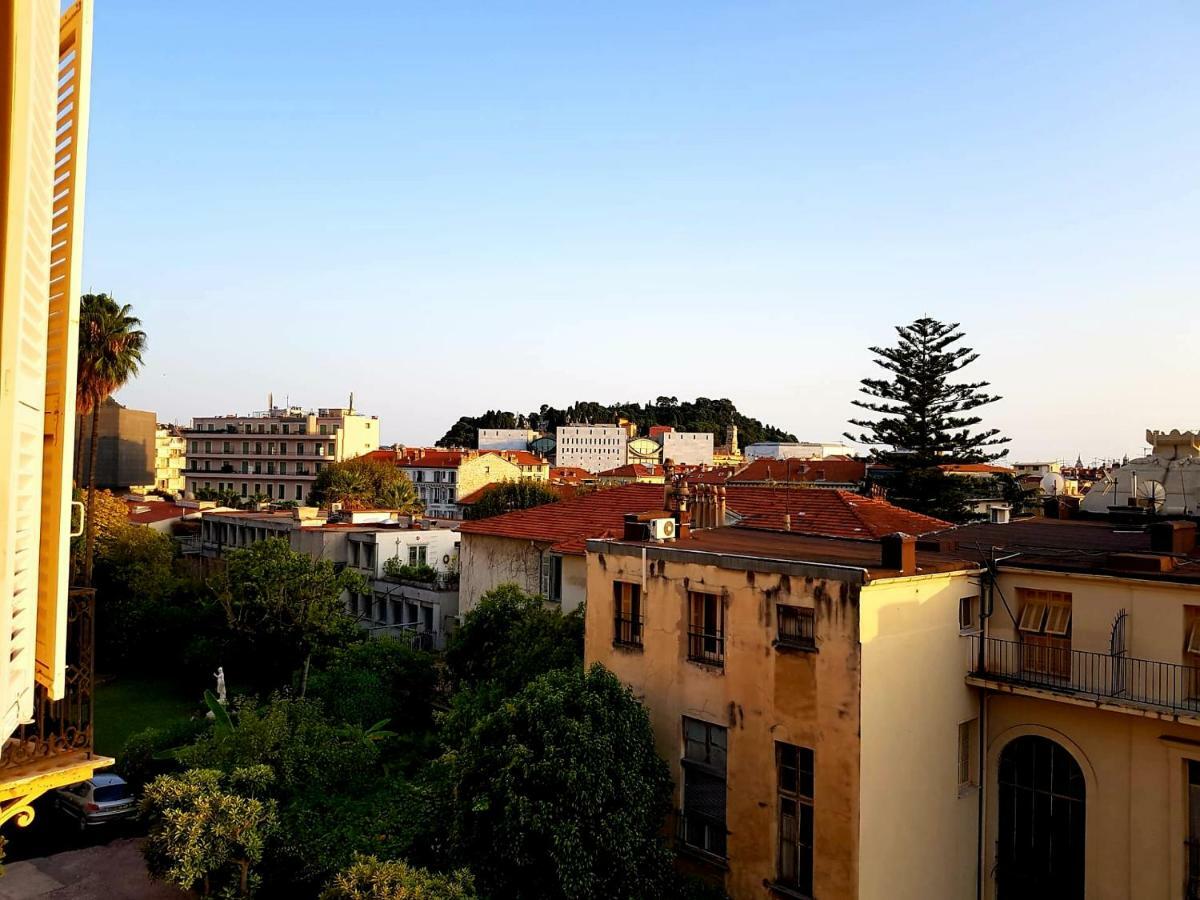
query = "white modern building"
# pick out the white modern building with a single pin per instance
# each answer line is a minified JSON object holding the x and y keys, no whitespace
{"x":504,"y":438}
{"x":693,"y":448}
{"x":1166,"y":482}
{"x":276,"y":453}
{"x":795,"y":450}
{"x":596,"y":448}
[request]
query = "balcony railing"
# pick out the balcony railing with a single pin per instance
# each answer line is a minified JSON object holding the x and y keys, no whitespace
{"x":706,"y":647}
{"x":1126,"y":680}
{"x":60,"y":728}
{"x":627,"y":631}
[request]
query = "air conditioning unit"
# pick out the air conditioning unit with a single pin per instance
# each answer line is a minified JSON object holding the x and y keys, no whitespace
{"x":662,"y":529}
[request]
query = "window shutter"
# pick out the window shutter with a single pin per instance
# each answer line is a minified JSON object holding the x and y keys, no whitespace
{"x":29,"y":161}
{"x":546,"y":574}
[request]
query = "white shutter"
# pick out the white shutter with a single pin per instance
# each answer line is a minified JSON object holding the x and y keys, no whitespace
{"x":62,"y":344}
{"x":27,"y":192}
{"x":546,"y":574}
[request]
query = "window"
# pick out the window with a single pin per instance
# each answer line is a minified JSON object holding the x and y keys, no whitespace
{"x":208,"y":446}
{"x":627,"y":614}
{"x":299,"y":494}
{"x":270,"y":491}
{"x":706,"y":629}
{"x":244,"y":489}
{"x":968,"y":615}
{"x":226,"y":447}
{"x":551,"y":576}
{"x":195,"y":447}
{"x":300,"y":448}
{"x":967,"y":746}
{"x":417,"y":555}
{"x":702,"y":824}
{"x":1045,"y":626}
{"x":796,"y":626}
{"x":794,"y":777}
{"x":245,"y":446}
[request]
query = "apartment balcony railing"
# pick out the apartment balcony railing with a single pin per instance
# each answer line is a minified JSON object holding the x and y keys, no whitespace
{"x":1145,"y":684}
{"x":60,"y":735}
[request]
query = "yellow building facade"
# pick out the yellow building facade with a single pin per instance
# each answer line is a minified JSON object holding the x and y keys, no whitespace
{"x":45,"y":628}
{"x":1006,"y":723}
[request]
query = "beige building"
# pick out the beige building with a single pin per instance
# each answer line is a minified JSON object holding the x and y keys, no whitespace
{"x":442,"y":477}
{"x":170,"y":459}
{"x":46,"y":663}
{"x":125,"y":446}
{"x":689,"y":448}
{"x":504,"y":438}
{"x":591,"y":447}
{"x":274,"y":454}
{"x":1008,"y":710}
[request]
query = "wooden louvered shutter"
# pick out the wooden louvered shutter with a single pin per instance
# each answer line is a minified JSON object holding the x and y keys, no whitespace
{"x":29,"y":162}
{"x":62,"y":344}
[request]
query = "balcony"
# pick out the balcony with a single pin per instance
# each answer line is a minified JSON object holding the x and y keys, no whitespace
{"x":627,"y":631}
{"x":706,"y":647}
{"x":55,"y":749}
{"x":1107,"y":680}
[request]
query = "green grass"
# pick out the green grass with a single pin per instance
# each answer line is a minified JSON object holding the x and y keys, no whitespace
{"x":128,"y":705}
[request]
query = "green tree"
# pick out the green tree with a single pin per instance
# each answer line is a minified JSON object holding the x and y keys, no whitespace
{"x":286,"y":606}
{"x":135,"y":581}
{"x":209,"y":830}
{"x":508,"y":496}
{"x":558,"y":792}
{"x":369,"y":878}
{"x":382,"y":678}
{"x":510,"y":638}
{"x":111,"y":344}
{"x":363,"y":483}
{"x":925,"y":418}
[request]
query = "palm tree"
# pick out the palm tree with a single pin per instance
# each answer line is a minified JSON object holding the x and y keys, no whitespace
{"x":111,"y":344}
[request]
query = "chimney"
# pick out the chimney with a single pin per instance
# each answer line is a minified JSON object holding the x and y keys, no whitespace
{"x":999,"y":513}
{"x":899,"y":551}
{"x":720,"y":510}
{"x":1174,"y":536}
{"x":684,"y":514}
{"x":787,"y":521}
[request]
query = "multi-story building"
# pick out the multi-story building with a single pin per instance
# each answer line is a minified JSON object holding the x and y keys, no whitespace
{"x":542,"y":548}
{"x":505,"y":438}
{"x":591,"y":447}
{"x":632,"y":473}
{"x":170,"y":459}
{"x":46,"y":664}
{"x":274,"y":454}
{"x":689,"y":448}
{"x":997,"y":710}
{"x":397,"y":601}
{"x":795,"y":450}
{"x":443,"y":476}
{"x":125,"y":446}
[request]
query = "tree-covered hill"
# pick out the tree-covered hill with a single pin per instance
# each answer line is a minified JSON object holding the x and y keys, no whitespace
{"x":702,"y":414}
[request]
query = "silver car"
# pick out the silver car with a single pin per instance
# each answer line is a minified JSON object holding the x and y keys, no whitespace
{"x":100,"y":799}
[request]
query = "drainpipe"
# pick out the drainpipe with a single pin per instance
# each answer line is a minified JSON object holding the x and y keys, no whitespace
{"x":986,"y":599}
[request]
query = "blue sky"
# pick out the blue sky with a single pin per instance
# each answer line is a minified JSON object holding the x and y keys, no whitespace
{"x":452,"y":207}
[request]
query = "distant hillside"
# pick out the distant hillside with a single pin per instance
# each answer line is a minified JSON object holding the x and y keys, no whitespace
{"x":701,"y":414}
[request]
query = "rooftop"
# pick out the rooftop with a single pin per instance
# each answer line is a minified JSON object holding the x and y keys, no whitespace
{"x":839,"y":469}
{"x":728,"y":543}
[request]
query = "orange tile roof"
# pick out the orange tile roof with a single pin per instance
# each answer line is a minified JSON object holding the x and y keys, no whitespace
{"x":563,"y":491}
{"x":632,"y":470}
{"x":819,"y":511}
{"x":568,"y":524}
{"x":840,"y":469}
{"x":520,"y":457}
{"x":148,"y":512}
{"x":570,"y":474}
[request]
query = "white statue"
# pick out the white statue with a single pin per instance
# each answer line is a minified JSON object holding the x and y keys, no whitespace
{"x":220,"y":676}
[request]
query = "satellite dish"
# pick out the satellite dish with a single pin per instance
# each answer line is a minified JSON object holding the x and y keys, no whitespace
{"x":1052,"y":484}
{"x":1152,"y":494}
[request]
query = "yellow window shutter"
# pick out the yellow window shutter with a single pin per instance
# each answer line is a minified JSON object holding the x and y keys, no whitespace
{"x":62,"y":340}
{"x":30,"y":57}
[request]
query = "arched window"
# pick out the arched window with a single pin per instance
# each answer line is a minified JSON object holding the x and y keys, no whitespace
{"x":1040,"y":851}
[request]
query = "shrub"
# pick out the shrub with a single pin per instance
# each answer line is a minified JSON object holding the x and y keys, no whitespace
{"x":383,"y":678}
{"x":137,"y":762}
{"x":370,"y":879}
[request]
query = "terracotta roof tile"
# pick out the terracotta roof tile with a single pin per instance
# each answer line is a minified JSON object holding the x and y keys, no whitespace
{"x":842,"y":470}
{"x":825,"y":512}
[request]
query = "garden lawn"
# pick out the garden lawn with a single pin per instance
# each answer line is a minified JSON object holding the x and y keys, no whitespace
{"x":126,"y":706}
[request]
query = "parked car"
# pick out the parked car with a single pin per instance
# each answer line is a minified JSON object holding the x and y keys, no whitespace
{"x":100,"y":799}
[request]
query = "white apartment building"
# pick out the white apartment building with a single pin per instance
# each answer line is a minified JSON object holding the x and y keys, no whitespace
{"x":693,"y":448}
{"x":276,"y":453}
{"x":504,"y":438}
{"x":596,"y":448}
{"x":796,"y":450}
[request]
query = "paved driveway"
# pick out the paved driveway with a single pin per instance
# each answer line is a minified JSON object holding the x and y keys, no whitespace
{"x":112,"y":871}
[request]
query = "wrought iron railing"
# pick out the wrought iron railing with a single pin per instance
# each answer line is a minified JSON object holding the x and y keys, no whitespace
{"x":627,"y":631}
{"x":1164,"y":686}
{"x":706,"y":647}
{"x":796,"y":626}
{"x":61,"y":727}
